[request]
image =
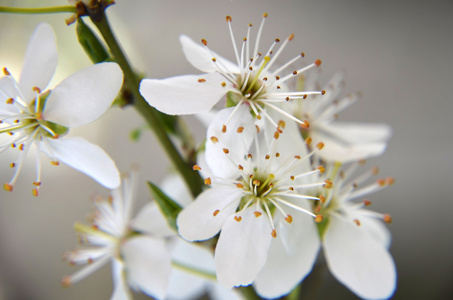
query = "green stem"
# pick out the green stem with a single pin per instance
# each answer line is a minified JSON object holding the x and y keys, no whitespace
{"x":195,"y":271}
{"x":38,"y":10}
{"x":151,"y":115}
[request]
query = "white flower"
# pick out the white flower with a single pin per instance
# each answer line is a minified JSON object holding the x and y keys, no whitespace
{"x":257,"y":202}
{"x":138,"y":253}
{"x":344,"y":141}
{"x":248,"y":81}
{"x":193,"y":267}
{"x":34,"y":117}
{"x":355,"y":241}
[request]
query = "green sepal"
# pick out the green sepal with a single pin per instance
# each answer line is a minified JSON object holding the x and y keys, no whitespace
{"x":169,"y":208}
{"x":232,"y":99}
{"x":90,"y":43}
{"x":322,"y":226}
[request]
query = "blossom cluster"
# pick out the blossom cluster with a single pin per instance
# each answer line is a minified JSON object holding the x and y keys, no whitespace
{"x":278,"y":172}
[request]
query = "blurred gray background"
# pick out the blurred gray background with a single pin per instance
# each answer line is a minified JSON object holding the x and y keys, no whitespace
{"x":397,"y":53}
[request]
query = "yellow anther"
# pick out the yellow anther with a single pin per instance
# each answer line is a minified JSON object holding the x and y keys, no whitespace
{"x":289,"y":219}
{"x":274,"y":233}
{"x":277,"y":154}
{"x":240,"y":129}
{"x":318,"y":62}
{"x":357,"y":222}
{"x":216,"y":212}
{"x":390,"y":180}
{"x":214,"y":139}
{"x":223,"y":84}
{"x":387,"y":218}
{"x":37,"y":183}
{"x":224,"y":128}
{"x":6,"y":72}
{"x":9,"y":101}
{"x":240,"y":185}
{"x":328,"y":184}
{"x":321,"y":169}
{"x":237,"y":218}
{"x":276,"y":135}
{"x":320,"y":145}
{"x":322,"y":199}
{"x":55,"y":163}
{"x":226,"y":151}
{"x":297,"y":156}
{"x":196,"y":168}
{"x":207,"y":181}
{"x":256,"y":182}
{"x":240,"y":167}
{"x":366,"y":202}
{"x":305,"y":124}
{"x":35,"y":192}
{"x":201,"y":80}
{"x":12,"y":165}
{"x":228,"y":18}
{"x":8,"y":187}
{"x":257,"y":214}
{"x":318,"y":218}
{"x":267,"y":156}
{"x":204,"y":42}
{"x":66,"y":282}
{"x":308,"y":141}
{"x":36,"y":89}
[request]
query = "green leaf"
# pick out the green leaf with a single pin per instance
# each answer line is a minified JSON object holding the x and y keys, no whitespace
{"x":90,"y":43}
{"x":169,"y":208}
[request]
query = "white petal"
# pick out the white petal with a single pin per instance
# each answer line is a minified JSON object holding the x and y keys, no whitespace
{"x":201,"y":58}
{"x":196,"y":222}
{"x":336,"y":150}
{"x":88,"y":158}
{"x":358,"y":132}
{"x":183,"y":95}
{"x":358,"y":260}
{"x":120,"y":289}
{"x":40,"y":61}
{"x":148,"y":264}
{"x":150,"y":220}
{"x":242,"y":248}
{"x":84,"y":96}
{"x":375,"y":227}
{"x":176,"y":189}
{"x":7,"y":90}
{"x":291,"y":256}
{"x":184,"y":285}
{"x":238,"y":144}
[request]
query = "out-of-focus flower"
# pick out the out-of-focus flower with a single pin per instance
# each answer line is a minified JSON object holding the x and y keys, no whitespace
{"x":344,"y":141}
{"x":136,"y":248}
{"x":258,"y":204}
{"x":249,"y":81}
{"x":354,"y":239}
{"x":34,"y":117}
{"x":193,"y":268}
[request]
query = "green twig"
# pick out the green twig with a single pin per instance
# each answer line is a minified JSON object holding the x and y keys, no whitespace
{"x":38,"y":10}
{"x":192,"y":179}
